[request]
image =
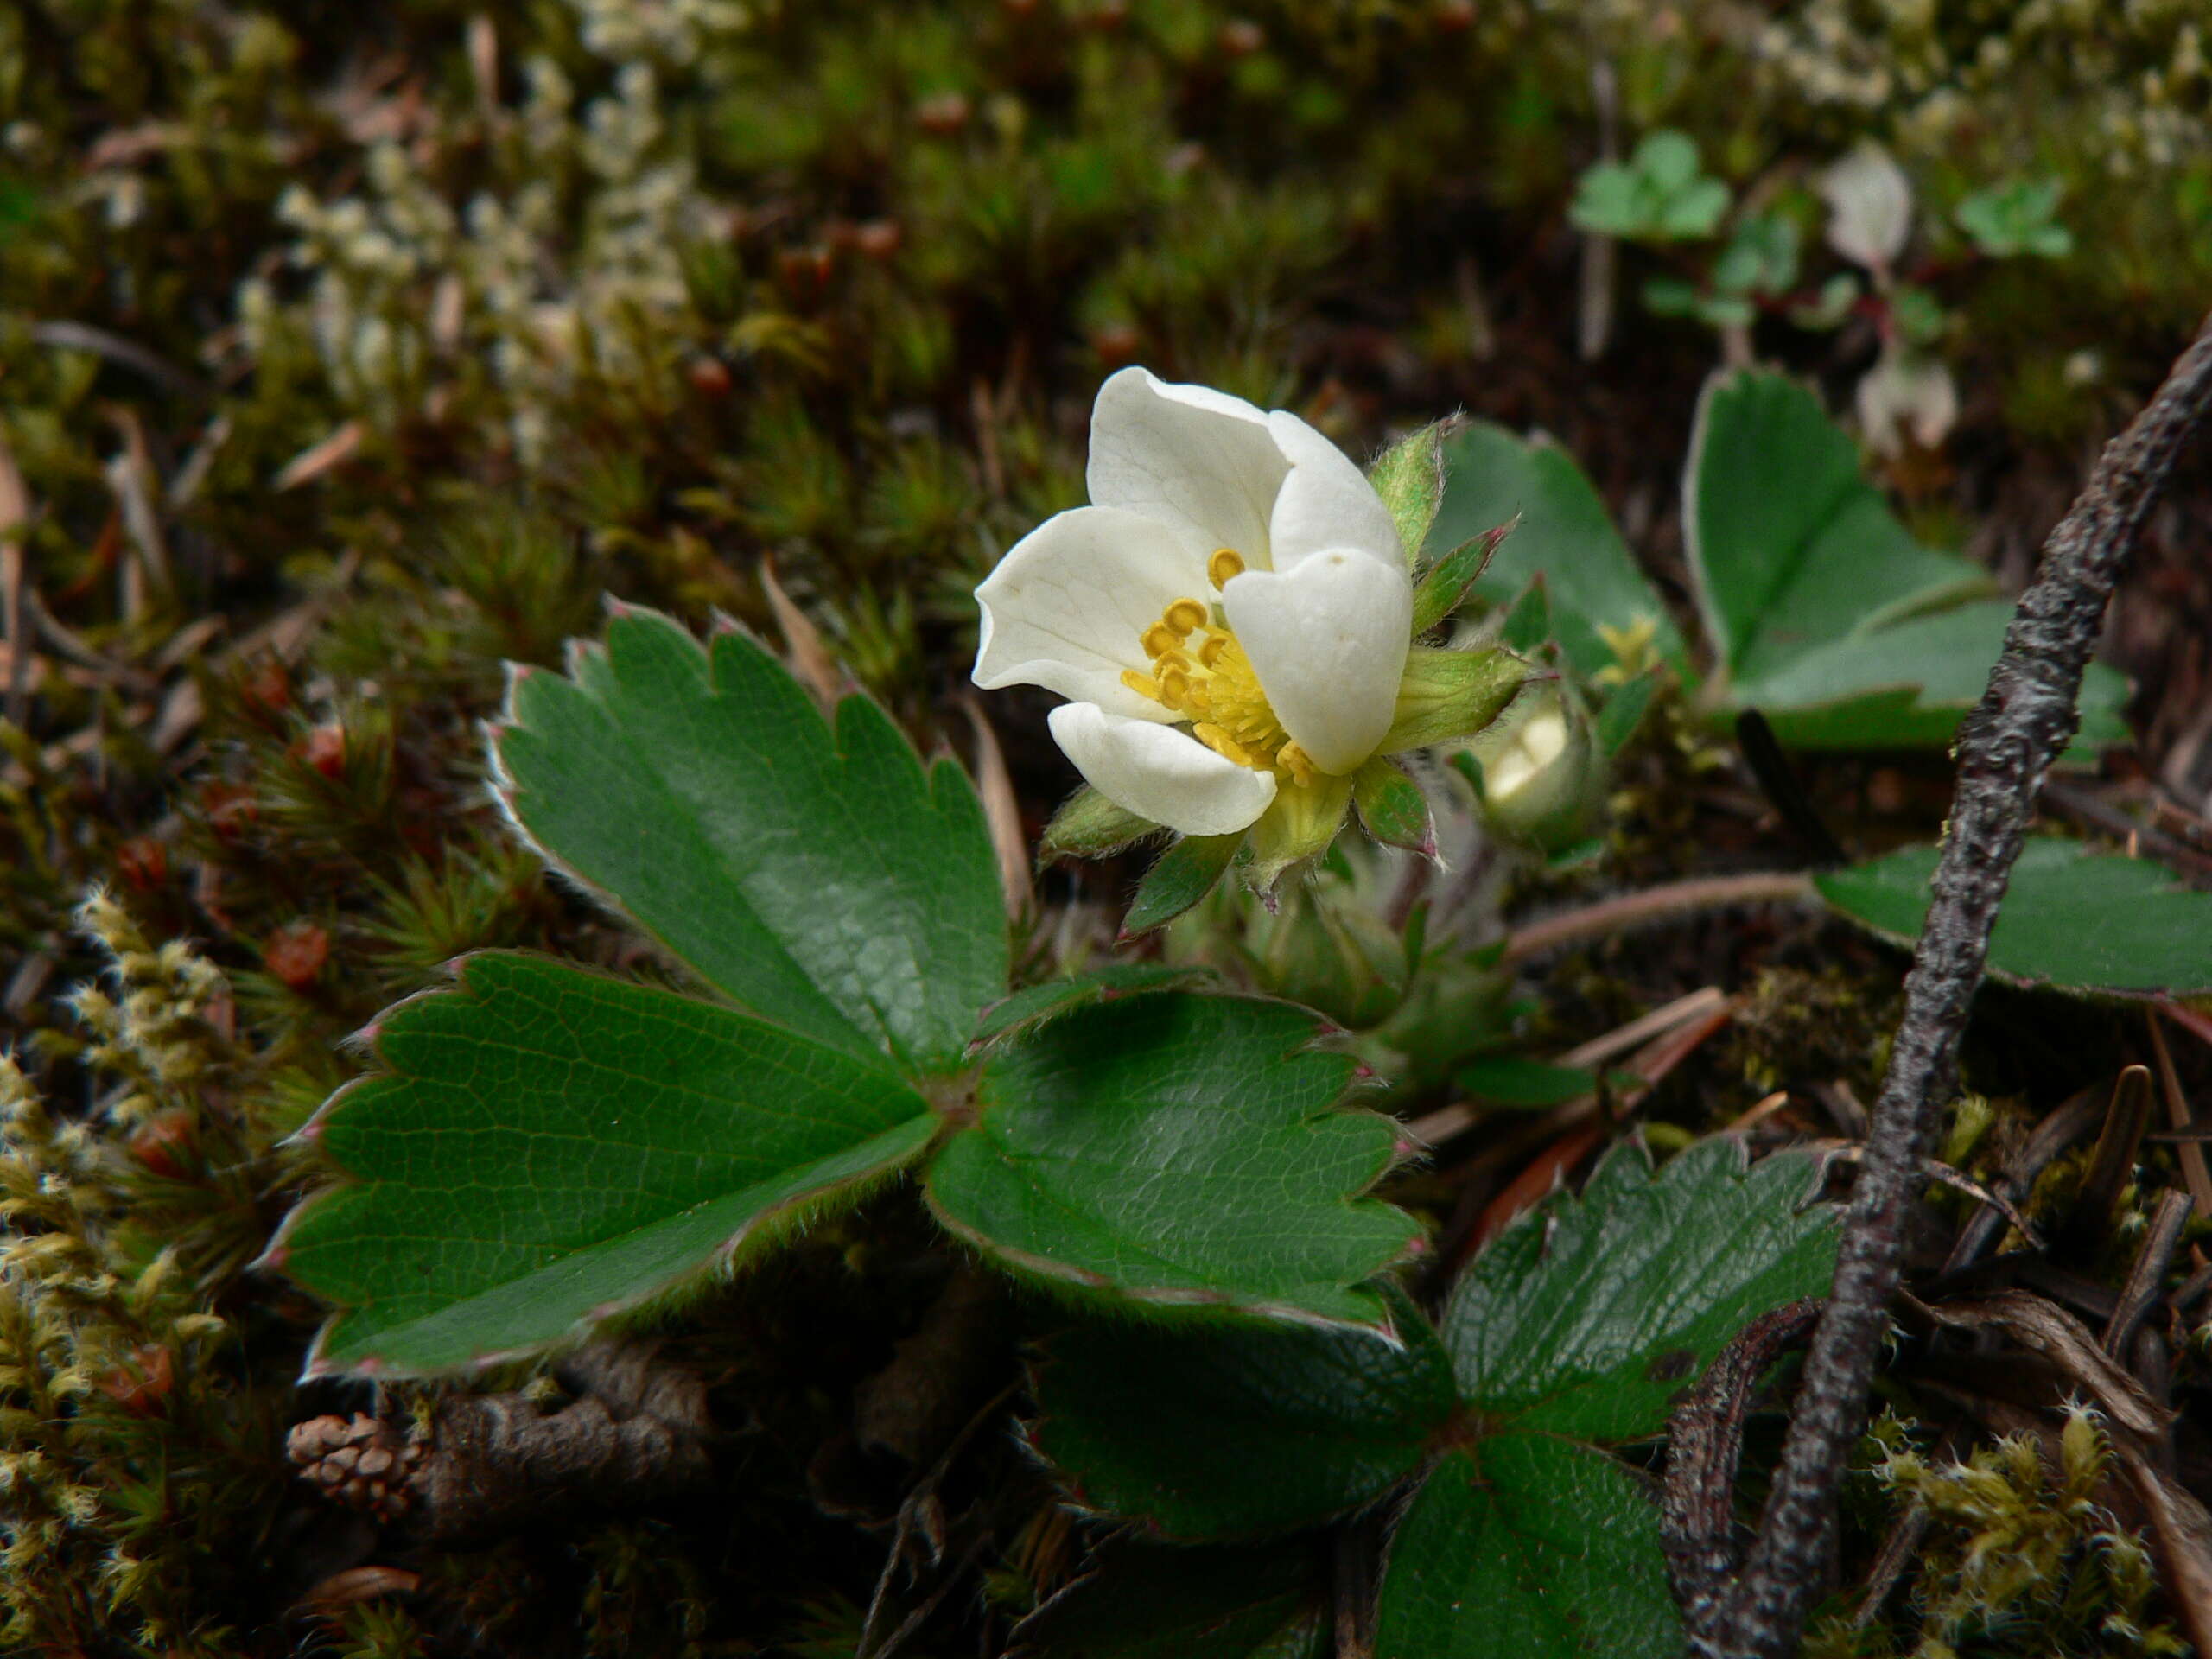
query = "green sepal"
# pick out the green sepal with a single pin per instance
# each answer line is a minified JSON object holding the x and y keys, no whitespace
{"x":1449,"y":580}
{"x":1301,"y":822}
{"x":1392,"y":807}
{"x":1448,"y":694}
{"x":1409,"y":477}
{"x":1090,"y":826}
{"x":1185,"y":873}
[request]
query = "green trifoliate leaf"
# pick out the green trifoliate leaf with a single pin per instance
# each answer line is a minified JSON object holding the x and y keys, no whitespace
{"x":1565,"y":534}
{"x":1453,"y":577}
{"x":1829,"y":617}
{"x":1452,"y":694}
{"x":1526,"y":1547}
{"x":822,"y":878}
{"x":1059,"y":997}
{"x":546,"y":1147}
{"x":1152,"y":1601}
{"x":1657,"y":195}
{"x":1186,"y":873}
{"x":1587,"y":1320}
{"x":1210,"y":1432}
{"x":2021,"y":217}
{"x":2074,"y":919}
{"x":1179,"y":1151}
{"x":1090,"y":826}
{"x":1409,"y":477}
{"x":1392,"y":807}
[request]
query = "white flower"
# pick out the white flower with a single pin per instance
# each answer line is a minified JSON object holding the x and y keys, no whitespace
{"x":1231,"y":615}
{"x":1906,"y":389}
{"x":1869,"y":201}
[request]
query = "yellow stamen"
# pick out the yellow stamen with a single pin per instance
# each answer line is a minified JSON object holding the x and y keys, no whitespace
{"x":1210,"y":681}
{"x":1160,"y":639}
{"x":1222,"y":744}
{"x":1183,"y":616}
{"x":1225,"y":562}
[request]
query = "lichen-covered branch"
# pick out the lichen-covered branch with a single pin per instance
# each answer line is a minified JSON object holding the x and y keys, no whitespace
{"x":483,"y":1466}
{"x":2023,"y":721}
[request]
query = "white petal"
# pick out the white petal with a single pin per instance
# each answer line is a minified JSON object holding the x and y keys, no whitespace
{"x":1328,"y":641}
{"x":1327,"y":502}
{"x":1869,"y":204}
{"x":1905,"y":387}
{"x":1161,"y":773}
{"x":1193,"y":459}
{"x":1068,"y":604}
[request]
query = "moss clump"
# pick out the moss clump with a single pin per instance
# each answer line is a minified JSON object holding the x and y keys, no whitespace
{"x":2022,"y":1556}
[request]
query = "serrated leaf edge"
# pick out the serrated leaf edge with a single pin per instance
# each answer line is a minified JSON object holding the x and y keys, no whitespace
{"x":759,"y":1229}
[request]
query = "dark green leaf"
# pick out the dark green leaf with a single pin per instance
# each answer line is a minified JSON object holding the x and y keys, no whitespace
{"x":2080,"y":920}
{"x":1529,"y":624}
{"x":1153,"y":1601}
{"x":1589,"y":1318}
{"x":1059,"y":997}
{"x":1515,"y":1080}
{"x":1624,"y":713}
{"x":1908,"y":683}
{"x":1790,"y":547}
{"x":825,"y":880}
{"x":1565,"y":533}
{"x":1832,"y":619}
{"x":1179,"y":1150}
{"x":1213,"y":1432}
{"x":1185,"y":873}
{"x":546,"y":1146}
{"x":1392,"y":807}
{"x":1527,"y":1548}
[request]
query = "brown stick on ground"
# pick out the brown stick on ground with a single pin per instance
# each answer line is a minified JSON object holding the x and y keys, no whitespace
{"x":488,"y":1465}
{"x":2025,"y":719}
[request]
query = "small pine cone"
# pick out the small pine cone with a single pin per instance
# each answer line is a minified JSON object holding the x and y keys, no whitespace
{"x":364,"y":1463}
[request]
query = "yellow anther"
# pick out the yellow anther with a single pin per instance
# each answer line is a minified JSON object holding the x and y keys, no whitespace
{"x":1225,"y":562}
{"x":1209,"y":653}
{"x":1184,"y":615}
{"x":1175,"y":686}
{"x":1160,"y":639}
{"x":1143,"y":684}
{"x":1295,"y":761}
{"x":1222,"y":744}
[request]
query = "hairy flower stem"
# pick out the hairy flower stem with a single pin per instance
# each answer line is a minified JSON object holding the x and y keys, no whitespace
{"x":1651,"y":906}
{"x":2023,"y":721}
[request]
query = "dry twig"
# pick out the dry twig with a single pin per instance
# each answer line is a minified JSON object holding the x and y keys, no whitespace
{"x":2023,"y":721}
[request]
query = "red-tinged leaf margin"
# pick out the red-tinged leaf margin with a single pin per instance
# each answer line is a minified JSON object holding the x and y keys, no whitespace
{"x":761,"y":1231}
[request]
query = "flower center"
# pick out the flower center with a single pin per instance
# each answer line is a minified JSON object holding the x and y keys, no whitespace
{"x":1200,"y":672}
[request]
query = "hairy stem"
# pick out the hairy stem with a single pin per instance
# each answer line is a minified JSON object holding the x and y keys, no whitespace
{"x":1652,"y":905}
{"x":2023,"y":721}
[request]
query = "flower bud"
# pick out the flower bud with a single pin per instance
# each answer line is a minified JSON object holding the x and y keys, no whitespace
{"x":1540,"y":774}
